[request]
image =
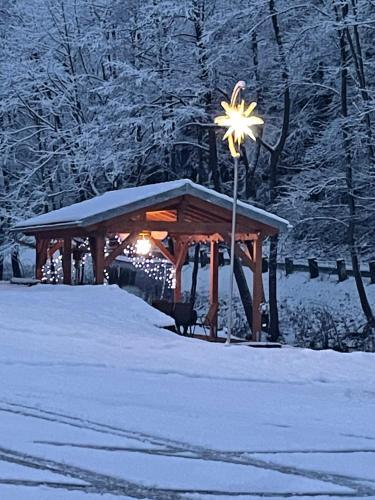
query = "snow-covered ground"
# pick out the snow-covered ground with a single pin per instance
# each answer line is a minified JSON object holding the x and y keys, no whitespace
{"x":296,"y":293}
{"x":98,"y":401}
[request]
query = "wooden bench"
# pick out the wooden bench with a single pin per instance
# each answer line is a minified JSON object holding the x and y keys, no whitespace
{"x":24,"y":281}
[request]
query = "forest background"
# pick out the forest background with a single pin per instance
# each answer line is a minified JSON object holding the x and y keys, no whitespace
{"x":106,"y":94}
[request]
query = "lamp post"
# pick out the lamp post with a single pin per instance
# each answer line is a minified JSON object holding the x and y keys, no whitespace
{"x":238,"y":120}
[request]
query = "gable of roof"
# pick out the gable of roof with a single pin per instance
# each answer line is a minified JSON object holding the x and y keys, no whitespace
{"x":123,"y":201}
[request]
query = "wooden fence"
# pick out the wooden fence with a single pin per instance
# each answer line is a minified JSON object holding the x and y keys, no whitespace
{"x":315,"y":267}
{"x":311,"y":265}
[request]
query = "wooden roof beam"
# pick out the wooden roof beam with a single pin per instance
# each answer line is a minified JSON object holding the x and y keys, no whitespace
{"x":226,"y":215}
{"x":197,"y":214}
{"x":162,"y":215}
{"x":183,"y":228}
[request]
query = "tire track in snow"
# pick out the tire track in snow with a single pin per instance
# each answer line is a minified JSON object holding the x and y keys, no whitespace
{"x":155,"y":451}
{"x":50,"y":484}
{"x":60,"y":418}
{"x":97,"y":482}
{"x":101,"y":484}
{"x":177,"y":449}
{"x":238,"y":458}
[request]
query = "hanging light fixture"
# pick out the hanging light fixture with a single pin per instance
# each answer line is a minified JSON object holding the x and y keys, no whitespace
{"x":143,"y":245}
{"x":159,"y":235}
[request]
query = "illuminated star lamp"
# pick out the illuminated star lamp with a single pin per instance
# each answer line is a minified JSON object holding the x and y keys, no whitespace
{"x":238,"y":120}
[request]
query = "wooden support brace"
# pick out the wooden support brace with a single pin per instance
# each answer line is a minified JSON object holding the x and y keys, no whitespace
{"x":163,"y":250}
{"x":244,"y":256}
{"x":56,"y":246}
{"x":249,"y":246}
{"x":119,"y":249}
{"x":41,"y":249}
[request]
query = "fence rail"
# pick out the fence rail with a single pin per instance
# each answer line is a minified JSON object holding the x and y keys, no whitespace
{"x":314,"y":267}
{"x":311,"y":265}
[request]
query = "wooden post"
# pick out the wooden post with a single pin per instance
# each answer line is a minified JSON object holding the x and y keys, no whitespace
{"x":92,"y":245}
{"x":341,"y":270}
{"x":257,"y":289}
{"x":41,"y":248}
{"x":178,"y":277}
{"x":181,"y":248}
{"x":67,"y":261}
{"x":98,"y":258}
{"x":313,"y":268}
{"x":214,"y":284}
{"x":289,"y":266}
{"x":371,"y":266}
{"x":38,"y":258}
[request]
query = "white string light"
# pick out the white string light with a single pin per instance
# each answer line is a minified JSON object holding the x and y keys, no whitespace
{"x":52,"y":271}
{"x":156,"y":268}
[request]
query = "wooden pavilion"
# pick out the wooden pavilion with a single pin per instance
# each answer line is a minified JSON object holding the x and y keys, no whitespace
{"x":187,"y":212}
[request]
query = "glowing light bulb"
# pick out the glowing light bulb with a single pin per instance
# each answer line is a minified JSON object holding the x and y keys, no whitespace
{"x":143,"y":246}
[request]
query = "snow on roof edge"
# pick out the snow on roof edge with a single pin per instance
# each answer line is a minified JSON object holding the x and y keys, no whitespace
{"x":248,"y":209}
{"x":98,"y":216}
{"x":123,"y":206}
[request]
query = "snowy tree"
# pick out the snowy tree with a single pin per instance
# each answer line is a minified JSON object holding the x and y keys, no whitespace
{"x":104,"y":95}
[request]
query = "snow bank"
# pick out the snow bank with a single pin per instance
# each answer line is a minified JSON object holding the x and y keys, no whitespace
{"x":107,"y":327}
{"x":92,"y":381}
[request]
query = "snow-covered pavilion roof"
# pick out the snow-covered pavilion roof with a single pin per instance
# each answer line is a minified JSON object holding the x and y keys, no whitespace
{"x":124,"y":201}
